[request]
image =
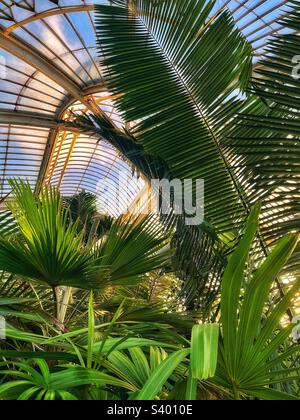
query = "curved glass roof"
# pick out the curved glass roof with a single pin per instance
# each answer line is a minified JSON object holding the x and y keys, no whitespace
{"x":48,"y":63}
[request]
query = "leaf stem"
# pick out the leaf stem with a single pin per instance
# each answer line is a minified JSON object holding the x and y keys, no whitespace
{"x":236,"y":393}
{"x":55,"y":302}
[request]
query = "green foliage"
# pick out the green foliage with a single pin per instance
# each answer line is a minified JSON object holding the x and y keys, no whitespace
{"x":134,"y":359}
{"x":126,"y":338}
{"x":250,"y":359}
{"x":161,"y":375}
{"x":50,"y":249}
{"x":47,"y":249}
{"x":199,"y":75}
{"x":239,"y":134}
{"x":38,"y":383}
{"x":134,"y":247}
{"x":266,"y":138}
{"x":204,"y":351}
{"x":83,"y":210}
{"x":179,"y":46}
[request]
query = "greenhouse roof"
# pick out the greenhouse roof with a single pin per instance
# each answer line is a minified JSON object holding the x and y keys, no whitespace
{"x":49,"y":66}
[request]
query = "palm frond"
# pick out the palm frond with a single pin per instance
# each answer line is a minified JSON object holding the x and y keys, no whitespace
{"x":132,"y":248}
{"x":83,"y":210}
{"x":134,"y":153}
{"x":264,"y":147}
{"x":199,"y":258}
{"x":48,"y":250}
{"x":177,"y":82}
{"x":180,"y":73}
{"x":52,"y":252}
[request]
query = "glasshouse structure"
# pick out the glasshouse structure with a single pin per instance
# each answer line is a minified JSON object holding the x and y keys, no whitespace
{"x":149,"y":200}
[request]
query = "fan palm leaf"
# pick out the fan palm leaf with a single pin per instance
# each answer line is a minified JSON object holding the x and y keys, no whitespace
{"x":50,"y":251}
{"x":134,"y":247}
{"x":47,"y":250}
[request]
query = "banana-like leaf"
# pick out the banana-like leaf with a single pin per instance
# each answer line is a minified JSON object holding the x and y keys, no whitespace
{"x":204,"y":351}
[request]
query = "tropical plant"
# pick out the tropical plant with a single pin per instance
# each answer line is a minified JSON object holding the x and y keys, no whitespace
{"x":252,"y":353}
{"x":96,"y":366}
{"x":198,"y":73}
{"x":46,"y":248}
{"x":83,"y":208}
{"x":194,"y":107}
{"x":49,"y":250}
{"x":240,"y":129}
{"x":136,"y":359}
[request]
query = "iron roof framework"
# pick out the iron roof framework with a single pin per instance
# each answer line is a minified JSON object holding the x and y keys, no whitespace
{"x":49,"y":64}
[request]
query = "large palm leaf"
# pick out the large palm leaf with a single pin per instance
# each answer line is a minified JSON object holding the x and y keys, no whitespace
{"x":267,"y":139}
{"x":50,"y":251}
{"x":178,"y":72}
{"x":134,"y":247}
{"x":200,"y":255}
{"x":47,"y":248}
{"x":134,"y":153}
{"x":180,"y":80}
